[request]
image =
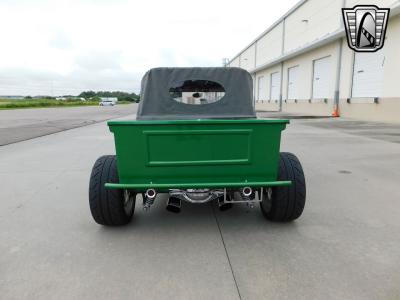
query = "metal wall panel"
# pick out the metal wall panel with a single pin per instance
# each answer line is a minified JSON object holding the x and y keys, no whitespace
{"x":270,"y":45}
{"x":247,"y":58}
{"x":312,"y":21}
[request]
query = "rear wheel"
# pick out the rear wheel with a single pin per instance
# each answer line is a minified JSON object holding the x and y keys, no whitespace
{"x":109,"y":206}
{"x":286,"y":203}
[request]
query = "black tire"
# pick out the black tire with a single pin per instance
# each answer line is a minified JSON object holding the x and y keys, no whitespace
{"x":108,"y":206}
{"x":286,"y":203}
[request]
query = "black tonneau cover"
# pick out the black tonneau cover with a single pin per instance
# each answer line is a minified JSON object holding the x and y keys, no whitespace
{"x":157,"y":103}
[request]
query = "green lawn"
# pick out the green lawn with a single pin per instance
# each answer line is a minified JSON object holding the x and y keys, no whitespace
{"x":39,"y":103}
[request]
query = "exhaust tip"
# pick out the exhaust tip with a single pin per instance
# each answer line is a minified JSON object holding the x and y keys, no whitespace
{"x":174,"y":205}
{"x":151,"y":193}
{"x":247,"y":191}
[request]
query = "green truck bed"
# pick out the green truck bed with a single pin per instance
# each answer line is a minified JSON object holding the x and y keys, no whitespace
{"x":197,"y":153}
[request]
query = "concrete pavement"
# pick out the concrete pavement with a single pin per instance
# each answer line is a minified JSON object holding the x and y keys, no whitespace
{"x":345,"y":246}
{"x":21,"y":124}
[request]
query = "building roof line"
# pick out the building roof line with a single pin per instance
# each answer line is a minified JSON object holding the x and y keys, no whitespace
{"x":395,"y":10}
{"x":316,"y":44}
{"x":270,"y":28}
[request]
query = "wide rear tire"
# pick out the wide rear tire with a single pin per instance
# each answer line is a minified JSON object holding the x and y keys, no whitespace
{"x":286,"y":203}
{"x":109,"y":207}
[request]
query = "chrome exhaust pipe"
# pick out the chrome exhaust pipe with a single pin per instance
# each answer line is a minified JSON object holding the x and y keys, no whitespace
{"x":151,"y":194}
{"x":148,"y":199}
{"x":246,"y":192}
{"x":174,"y":204}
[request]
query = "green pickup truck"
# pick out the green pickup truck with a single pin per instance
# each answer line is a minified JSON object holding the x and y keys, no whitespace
{"x":196,"y":137}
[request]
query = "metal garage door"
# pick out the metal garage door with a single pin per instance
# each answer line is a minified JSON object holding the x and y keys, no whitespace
{"x":275,"y":86}
{"x":322,"y":78}
{"x":262,"y":85}
{"x":368,"y":74}
{"x":293,"y":82}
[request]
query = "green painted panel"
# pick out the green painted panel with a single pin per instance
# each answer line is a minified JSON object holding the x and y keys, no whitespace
{"x":198,"y":147}
{"x":197,"y":151}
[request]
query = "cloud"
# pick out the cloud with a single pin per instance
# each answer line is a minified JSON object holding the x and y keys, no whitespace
{"x":66,"y":46}
{"x":99,"y":60}
{"x":25,"y":81}
{"x":60,"y":40}
{"x":171,"y":57}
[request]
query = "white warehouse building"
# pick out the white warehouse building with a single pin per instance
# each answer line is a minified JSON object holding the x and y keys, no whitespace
{"x":302,"y":64}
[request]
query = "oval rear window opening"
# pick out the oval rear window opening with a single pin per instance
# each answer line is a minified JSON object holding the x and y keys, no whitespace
{"x":197,"y":92}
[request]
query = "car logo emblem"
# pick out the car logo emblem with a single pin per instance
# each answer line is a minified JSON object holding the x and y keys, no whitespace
{"x":365,"y":27}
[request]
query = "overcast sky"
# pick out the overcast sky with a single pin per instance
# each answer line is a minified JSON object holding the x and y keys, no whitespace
{"x":58,"y":47}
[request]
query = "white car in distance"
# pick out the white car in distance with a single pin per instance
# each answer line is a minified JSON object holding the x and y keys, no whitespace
{"x":107,"y":103}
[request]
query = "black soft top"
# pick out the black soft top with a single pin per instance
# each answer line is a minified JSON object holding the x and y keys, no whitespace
{"x":157,"y":102}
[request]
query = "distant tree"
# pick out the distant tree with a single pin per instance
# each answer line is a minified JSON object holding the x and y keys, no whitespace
{"x":28,"y":97}
{"x":127,"y":98}
{"x":122,"y":96}
{"x":87,"y":94}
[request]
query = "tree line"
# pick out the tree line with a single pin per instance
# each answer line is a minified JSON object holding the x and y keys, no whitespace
{"x":122,"y":96}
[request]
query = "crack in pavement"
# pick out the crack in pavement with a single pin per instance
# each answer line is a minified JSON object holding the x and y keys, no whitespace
{"x":226,"y":252}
